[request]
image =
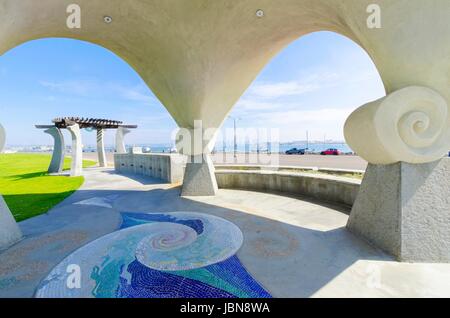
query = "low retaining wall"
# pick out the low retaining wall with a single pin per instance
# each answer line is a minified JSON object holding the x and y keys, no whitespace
{"x":322,"y":187}
{"x":293,"y":180}
{"x":167,"y":167}
{"x":294,"y":169}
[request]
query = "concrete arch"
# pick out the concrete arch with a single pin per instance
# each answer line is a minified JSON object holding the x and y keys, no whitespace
{"x":199,"y":56}
{"x":195,"y":74}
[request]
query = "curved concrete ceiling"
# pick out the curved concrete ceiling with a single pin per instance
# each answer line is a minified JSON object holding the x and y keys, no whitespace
{"x":199,"y":56}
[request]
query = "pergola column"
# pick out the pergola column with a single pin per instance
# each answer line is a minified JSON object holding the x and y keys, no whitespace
{"x":120,"y":139}
{"x":77,"y":150}
{"x":101,"y":148}
{"x":9,"y":230}
{"x":57,"y":162}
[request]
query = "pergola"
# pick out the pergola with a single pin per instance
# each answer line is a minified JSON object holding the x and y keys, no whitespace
{"x":74,"y":126}
{"x":88,"y":123}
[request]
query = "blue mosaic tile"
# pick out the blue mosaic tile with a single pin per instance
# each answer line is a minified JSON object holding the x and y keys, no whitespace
{"x":133,"y":219}
{"x":149,"y":283}
{"x":198,"y":249}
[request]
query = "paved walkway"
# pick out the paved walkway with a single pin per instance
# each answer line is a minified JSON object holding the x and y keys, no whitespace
{"x":292,"y":246}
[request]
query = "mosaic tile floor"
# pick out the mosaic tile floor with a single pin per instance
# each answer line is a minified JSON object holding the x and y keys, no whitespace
{"x":181,"y":254}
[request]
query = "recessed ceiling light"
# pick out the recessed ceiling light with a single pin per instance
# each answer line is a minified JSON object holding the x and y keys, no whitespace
{"x":107,"y":19}
{"x":259,"y":13}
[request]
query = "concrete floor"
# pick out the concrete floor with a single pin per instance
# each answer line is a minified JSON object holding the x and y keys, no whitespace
{"x":294,"y":247}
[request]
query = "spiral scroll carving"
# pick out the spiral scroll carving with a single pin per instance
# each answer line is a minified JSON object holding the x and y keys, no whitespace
{"x":409,"y":125}
{"x":173,"y":247}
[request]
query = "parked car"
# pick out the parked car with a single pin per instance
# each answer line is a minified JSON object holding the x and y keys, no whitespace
{"x":330,"y":152}
{"x":295,"y":151}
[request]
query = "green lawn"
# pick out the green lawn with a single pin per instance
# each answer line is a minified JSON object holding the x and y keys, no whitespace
{"x":28,"y":189}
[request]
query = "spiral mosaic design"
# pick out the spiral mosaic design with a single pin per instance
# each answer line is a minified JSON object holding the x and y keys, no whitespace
{"x":159,"y":255}
{"x":173,"y":247}
{"x":166,"y":237}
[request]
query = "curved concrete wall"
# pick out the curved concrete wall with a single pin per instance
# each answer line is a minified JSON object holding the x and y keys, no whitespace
{"x":327,"y":188}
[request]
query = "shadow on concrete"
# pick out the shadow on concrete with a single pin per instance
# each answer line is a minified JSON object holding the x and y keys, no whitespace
{"x":144,"y":180}
{"x":288,"y":260}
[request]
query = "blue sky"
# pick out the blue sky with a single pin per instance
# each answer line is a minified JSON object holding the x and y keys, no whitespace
{"x":311,"y":85}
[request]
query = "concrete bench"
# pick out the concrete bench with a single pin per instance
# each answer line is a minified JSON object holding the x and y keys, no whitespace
{"x":166,"y":167}
{"x":328,"y":188}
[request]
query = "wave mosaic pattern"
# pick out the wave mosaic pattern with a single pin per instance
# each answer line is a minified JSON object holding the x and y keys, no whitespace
{"x":170,"y":255}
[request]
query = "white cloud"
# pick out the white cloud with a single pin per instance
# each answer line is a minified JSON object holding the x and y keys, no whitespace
{"x":51,"y":98}
{"x":295,"y":117}
{"x":137,"y":93}
{"x":274,"y":90}
{"x":250,"y":105}
{"x":282,"y":89}
{"x":319,"y":103}
{"x":91,"y":88}
{"x":293,"y":124}
{"x":71,"y":87}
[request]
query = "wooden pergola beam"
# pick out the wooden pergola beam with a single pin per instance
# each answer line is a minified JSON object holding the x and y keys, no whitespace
{"x":96,"y":123}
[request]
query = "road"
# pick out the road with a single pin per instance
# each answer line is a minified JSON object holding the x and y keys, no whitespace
{"x":336,"y":162}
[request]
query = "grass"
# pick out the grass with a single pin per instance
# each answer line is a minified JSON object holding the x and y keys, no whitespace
{"x":28,"y":189}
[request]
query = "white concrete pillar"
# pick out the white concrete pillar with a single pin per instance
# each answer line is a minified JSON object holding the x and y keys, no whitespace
{"x":404,"y":210}
{"x":196,"y":143}
{"x":9,"y":230}
{"x":199,"y":177}
{"x":120,"y":139}
{"x":59,"y":149}
{"x":101,"y":148}
{"x":77,"y":150}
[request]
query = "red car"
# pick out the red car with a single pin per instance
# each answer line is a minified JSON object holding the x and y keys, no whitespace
{"x":330,"y":152}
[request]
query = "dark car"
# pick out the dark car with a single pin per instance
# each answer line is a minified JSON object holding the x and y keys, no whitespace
{"x":330,"y":152}
{"x":295,"y":151}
